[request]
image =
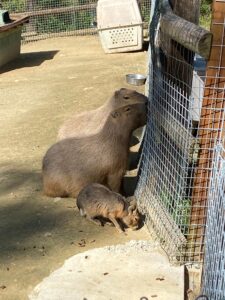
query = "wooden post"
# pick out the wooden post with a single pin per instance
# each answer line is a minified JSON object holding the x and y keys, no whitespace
{"x":179,"y":40}
{"x":178,"y":29}
{"x":57,"y":10}
{"x":210,"y":129}
{"x":179,"y":43}
{"x":188,"y":10}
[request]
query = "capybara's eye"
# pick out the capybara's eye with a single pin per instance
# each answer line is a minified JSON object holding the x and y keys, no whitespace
{"x":126,"y":97}
{"x":128,"y":109}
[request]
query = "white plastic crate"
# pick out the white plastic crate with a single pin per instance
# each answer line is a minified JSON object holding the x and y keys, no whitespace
{"x":120,"y":25}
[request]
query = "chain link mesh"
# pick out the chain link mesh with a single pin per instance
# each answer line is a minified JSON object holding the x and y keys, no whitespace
{"x":50,"y":18}
{"x":213,"y":283}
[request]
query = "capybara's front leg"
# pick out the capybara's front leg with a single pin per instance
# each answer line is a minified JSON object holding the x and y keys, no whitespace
{"x":95,"y":221}
{"x":112,"y":219}
{"x":114,"y":181}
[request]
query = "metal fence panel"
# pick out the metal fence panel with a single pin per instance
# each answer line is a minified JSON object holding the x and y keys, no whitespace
{"x":50,"y":18}
{"x":186,"y":109}
{"x":213,"y":283}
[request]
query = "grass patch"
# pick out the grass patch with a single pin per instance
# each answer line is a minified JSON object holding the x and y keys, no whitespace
{"x":179,"y":210}
{"x":205,"y":13}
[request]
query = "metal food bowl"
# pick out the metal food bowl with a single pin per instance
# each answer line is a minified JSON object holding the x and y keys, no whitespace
{"x":136,"y":79}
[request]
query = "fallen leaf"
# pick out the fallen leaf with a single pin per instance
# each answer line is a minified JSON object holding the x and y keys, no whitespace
{"x":160,"y":278}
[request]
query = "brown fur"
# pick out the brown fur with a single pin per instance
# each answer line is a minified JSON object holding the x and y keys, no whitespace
{"x":91,"y":122}
{"x":73,"y":163}
{"x":96,"y":200}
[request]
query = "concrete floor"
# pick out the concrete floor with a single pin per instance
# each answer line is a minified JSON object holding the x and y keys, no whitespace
{"x":136,"y":270}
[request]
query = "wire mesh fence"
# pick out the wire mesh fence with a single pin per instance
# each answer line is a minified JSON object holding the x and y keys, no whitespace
{"x":186,"y":111}
{"x":50,"y":18}
{"x":213,"y":282}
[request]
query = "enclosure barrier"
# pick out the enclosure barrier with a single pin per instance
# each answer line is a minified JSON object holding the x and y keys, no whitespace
{"x":61,"y":17}
{"x":213,"y":282}
{"x":185,"y":121}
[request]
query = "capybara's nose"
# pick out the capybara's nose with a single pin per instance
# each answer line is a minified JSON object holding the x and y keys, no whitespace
{"x":135,"y":228}
{"x":146,"y":105}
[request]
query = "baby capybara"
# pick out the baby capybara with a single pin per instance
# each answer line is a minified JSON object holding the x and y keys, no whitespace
{"x":91,"y":122}
{"x":73,"y":163}
{"x":95,"y":201}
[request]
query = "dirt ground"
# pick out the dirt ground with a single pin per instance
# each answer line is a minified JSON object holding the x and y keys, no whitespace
{"x":51,"y":80}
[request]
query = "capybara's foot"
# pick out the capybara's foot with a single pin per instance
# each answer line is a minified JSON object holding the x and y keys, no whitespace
{"x":54,"y":190}
{"x":109,"y":224}
{"x":95,"y":221}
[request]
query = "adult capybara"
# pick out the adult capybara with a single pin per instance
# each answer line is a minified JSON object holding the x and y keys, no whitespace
{"x":91,"y":122}
{"x":96,"y":201}
{"x":73,"y":163}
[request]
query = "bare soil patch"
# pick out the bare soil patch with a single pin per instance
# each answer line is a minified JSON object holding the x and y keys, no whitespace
{"x":50,"y":80}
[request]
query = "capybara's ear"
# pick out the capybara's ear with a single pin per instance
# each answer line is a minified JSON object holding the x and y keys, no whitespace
{"x":115,"y":114}
{"x":116,"y":93}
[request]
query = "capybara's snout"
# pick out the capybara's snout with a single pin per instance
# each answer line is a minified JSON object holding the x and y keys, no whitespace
{"x":126,"y":96}
{"x":143,"y":99}
{"x":136,"y":227}
{"x":146,"y":100}
{"x":142,"y":114}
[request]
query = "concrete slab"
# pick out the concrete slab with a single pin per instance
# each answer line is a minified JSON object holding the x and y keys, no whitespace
{"x":135,"y":270}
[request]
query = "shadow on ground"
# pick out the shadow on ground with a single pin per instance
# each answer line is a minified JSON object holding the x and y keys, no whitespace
{"x":13,"y":176}
{"x":38,"y":233}
{"x":29,"y":220}
{"x":26,"y":60}
{"x":27,"y":217}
